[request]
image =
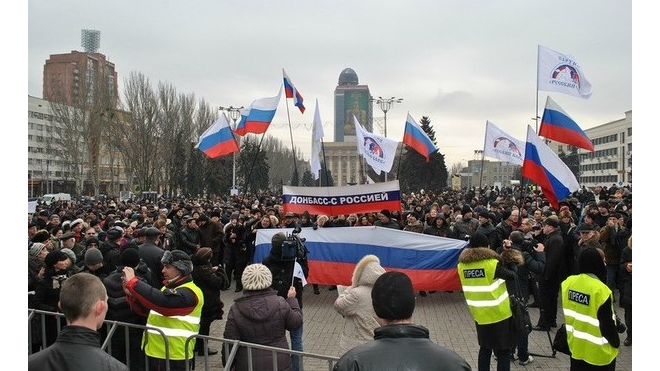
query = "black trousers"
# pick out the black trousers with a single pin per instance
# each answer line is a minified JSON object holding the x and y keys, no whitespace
{"x":548,"y":296}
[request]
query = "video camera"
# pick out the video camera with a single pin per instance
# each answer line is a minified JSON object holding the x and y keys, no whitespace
{"x":293,"y":247}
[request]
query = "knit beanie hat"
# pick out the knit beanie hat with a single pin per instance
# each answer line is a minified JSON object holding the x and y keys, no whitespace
{"x":70,"y":254}
{"x":393,"y":296}
{"x":130,"y":258}
{"x":36,"y":248}
{"x":93,"y":256}
{"x":256,"y":277}
{"x":479,"y":240}
{"x":278,"y":239}
{"x":179,"y":260}
{"x":591,"y":261}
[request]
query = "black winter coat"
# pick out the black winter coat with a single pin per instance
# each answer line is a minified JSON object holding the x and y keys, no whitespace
{"x":210,"y":283}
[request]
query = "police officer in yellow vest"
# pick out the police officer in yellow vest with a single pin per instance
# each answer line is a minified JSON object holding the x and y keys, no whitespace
{"x":175,"y":310}
{"x":483,"y":279}
{"x":589,"y":313}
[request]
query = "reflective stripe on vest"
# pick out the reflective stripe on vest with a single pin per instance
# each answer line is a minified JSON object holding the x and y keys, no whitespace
{"x":486,"y":296}
{"x":176,"y":328}
{"x":581,"y":296}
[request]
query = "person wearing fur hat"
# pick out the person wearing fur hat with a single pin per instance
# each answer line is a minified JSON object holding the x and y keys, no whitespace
{"x":354,"y":304}
{"x":398,"y":343}
{"x":47,"y":290}
{"x":210,"y":279}
{"x":588,"y":305}
{"x":484,"y":280}
{"x":179,"y":309}
{"x":261,"y":316}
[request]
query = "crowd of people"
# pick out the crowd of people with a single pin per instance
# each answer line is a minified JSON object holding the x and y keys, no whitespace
{"x":162,"y":260}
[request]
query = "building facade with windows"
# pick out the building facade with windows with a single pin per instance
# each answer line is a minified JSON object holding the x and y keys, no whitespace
{"x":611,"y":161}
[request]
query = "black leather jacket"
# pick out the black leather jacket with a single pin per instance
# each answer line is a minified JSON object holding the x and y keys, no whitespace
{"x":401,"y":347}
{"x":76,"y":348}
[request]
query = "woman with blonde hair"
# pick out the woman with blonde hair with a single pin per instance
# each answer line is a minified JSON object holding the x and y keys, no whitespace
{"x":354,"y":304}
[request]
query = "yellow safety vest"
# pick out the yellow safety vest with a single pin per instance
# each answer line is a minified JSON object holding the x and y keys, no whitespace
{"x":581,"y":296}
{"x":486,"y":296}
{"x":176,"y":328}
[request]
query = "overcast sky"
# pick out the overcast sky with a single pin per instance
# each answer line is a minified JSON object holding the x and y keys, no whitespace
{"x":458,"y":62}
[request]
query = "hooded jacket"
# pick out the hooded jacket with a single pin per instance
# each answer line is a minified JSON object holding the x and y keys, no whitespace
{"x":354,"y":304}
{"x":262,"y":317}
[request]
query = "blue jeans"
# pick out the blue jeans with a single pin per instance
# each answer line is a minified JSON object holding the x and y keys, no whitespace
{"x":296,"y":344}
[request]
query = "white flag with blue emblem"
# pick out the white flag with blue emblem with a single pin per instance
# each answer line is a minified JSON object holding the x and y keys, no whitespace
{"x":378,"y":151}
{"x":298,"y":272}
{"x":561,"y":73}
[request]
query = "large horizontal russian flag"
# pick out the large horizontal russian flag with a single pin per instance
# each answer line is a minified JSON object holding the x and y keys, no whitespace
{"x":365,"y":198}
{"x":429,"y":261}
{"x":260,"y":114}
{"x":415,"y":137}
{"x":557,"y":125}
{"x":218,"y":140}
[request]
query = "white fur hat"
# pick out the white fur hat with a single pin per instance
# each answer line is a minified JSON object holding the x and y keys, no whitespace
{"x":256,"y":277}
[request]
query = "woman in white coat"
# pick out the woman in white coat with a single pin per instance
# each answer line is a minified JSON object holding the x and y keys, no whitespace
{"x":354,"y":303}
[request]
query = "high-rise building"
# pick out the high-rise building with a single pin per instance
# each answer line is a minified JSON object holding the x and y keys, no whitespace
{"x":351,"y":98}
{"x":72,"y":76}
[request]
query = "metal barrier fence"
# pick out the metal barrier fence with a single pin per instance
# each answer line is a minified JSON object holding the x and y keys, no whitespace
{"x":115,"y":328}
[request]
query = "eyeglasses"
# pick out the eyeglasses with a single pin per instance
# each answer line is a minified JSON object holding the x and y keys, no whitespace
{"x":90,"y":233}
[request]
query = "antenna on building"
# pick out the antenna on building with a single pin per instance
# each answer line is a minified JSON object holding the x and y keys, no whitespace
{"x":90,"y":40}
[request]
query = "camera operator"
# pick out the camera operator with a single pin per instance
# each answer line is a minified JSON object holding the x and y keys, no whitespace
{"x":284,"y":253}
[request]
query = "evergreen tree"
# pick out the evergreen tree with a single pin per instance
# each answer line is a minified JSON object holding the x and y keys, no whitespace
{"x":415,"y":173}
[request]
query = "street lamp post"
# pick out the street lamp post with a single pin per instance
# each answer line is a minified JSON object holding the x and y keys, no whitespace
{"x":385,"y":105}
{"x":234,"y":114}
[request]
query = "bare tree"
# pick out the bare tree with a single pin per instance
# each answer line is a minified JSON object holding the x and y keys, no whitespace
{"x":457,"y":167}
{"x":143,"y":134}
{"x":82,"y":115}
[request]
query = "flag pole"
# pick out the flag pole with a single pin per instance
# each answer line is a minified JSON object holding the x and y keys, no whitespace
{"x":536,"y":116}
{"x":481,"y":171}
{"x":293,"y":149}
{"x":324,"y":167}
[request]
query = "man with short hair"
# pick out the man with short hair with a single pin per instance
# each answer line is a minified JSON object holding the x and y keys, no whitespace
{"x":83,"y":300}
{"x":399,"y":343}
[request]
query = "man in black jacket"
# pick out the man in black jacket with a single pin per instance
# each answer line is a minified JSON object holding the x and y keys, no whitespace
{"x":555,"y":272}
{"x":398,"y":344}
{"x":83,"y":300}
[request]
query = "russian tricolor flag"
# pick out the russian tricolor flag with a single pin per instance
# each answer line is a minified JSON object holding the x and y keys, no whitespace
{"x":257,"y":118}
{"x":415,"y":137}
{"x":430,"y":261}
{"x":557,"y":125}
{"x":290,"y":91}
{"x":218,"y":140}
{"x":546,"y":169}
